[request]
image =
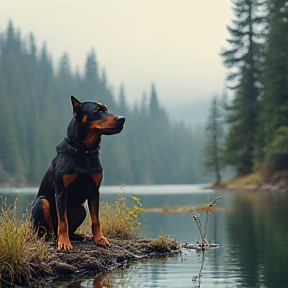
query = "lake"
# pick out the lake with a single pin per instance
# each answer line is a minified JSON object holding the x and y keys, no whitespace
{"x":251,"y":231}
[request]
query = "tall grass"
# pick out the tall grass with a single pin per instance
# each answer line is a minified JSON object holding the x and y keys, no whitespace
{"x":20,"y":248}
{"x":118,"y":220}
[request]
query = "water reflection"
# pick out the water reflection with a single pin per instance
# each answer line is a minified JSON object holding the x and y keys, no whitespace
{"x":197,"y":278}
{"x":258,"y":230}
{"x":103,"y":281}
{"x":160,"y":273}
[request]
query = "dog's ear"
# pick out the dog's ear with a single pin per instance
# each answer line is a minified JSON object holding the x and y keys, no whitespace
{"x":75,"y":103}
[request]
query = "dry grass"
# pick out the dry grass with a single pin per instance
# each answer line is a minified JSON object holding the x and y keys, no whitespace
{"x":20,"y":248}
{"x":164,"y":243}
{"x":263,"y":179}
{"x":118,"y":220}
{"x":249,"y":182}
{"x":167,"y":209}
{"x":184,"y":209}
{"x":251,"y":179}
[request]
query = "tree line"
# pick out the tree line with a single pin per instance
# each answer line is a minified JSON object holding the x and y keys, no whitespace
{"x":257,"y":117}
{"x":35,"y":111}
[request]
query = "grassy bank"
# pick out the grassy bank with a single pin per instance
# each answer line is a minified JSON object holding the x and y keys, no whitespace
{"x":260,"y":180}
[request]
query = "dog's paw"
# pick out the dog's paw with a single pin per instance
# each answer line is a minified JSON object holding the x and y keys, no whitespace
{"x":102,"y":241}
{"x":65,"y":246}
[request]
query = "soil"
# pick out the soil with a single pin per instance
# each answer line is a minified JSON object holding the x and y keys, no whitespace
{"x":88,"y":259}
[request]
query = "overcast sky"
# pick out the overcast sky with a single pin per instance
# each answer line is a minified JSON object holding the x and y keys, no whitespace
{"x":173,"y":43}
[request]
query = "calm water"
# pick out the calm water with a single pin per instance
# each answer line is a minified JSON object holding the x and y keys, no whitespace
{"x":252,"y":234}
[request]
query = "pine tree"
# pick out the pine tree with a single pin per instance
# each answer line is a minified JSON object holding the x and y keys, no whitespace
{"x":65,"y":86}
{"x":245,"y":59}
{"x":158,"y":129}
{"x":11,"y":63}
{"x":272,"y":135}
{"x":122,"y":105}
{"x":215,"y":140}
{"x":91,"y":82}
{"x":10,"y":157}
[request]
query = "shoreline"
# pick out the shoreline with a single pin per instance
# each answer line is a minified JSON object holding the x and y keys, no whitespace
{"x":250,"y":188}
{"x":257,"y":181}
{"x":89,"y":260}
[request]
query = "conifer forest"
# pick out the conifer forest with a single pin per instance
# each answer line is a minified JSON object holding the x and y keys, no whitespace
{"x":36,"y":109}
{"x":251,"y":132}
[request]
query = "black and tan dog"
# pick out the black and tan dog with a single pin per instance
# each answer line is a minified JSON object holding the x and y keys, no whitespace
{"x":74,"y":176}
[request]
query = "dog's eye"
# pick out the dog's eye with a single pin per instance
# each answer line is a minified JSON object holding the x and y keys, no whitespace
{"x":98,"y":109}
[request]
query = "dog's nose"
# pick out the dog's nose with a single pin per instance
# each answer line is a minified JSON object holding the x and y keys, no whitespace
{"x":120,"y":119}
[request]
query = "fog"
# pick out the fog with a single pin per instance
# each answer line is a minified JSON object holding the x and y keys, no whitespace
{"x":174,"y":44}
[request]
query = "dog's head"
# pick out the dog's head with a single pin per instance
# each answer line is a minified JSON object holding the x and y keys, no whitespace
{"x":96,"y":118}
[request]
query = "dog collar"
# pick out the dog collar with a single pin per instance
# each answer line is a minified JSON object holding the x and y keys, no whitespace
{"x":79,"y":148}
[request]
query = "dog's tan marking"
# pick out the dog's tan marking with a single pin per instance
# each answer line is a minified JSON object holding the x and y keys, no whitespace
{"x":97,"y":178}
{"x":98,"y":237}
{"x":68,"y":179}
{"x":91,"y":138}
{"x":109,"y":122}
{"x":46,"y":209}
{"x":63,"y":238}
{"x":84,"y":120}
{"x":102,"y":106}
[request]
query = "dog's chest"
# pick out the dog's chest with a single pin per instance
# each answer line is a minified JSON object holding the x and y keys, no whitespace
{"x":87,"y":164}
{"x":79,"y":164}
{"x":81,"y":189}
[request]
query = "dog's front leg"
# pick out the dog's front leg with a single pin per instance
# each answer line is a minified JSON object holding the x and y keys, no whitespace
{"x":63,"y":237}
{"x":93,"y":204}
{"x":98,"y":237}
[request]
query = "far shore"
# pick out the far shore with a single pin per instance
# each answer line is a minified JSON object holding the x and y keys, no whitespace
{"x":277,"y":182}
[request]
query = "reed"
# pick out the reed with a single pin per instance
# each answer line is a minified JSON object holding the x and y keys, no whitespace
{"x":196,"y":218}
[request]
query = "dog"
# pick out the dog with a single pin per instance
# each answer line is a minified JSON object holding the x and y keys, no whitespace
{"x":75,"y":176}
